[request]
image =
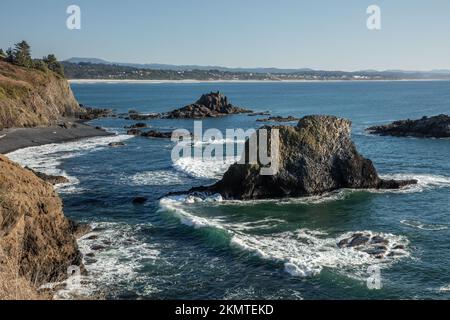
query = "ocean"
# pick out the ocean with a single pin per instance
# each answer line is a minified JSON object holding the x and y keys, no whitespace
{"x":170,"y":248}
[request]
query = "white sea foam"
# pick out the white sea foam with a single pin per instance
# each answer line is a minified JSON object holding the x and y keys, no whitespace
{"x":303,"y":252}
{"x":48,"y":158}
{"x":157,"y":178}
{"x":112,"y":254}
{"x":424,"y":226}
{"x":425,"y":182}
{"x":204,"y":168}
{"x":445,"y":288}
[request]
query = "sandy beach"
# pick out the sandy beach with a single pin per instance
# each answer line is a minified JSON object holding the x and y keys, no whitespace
{"x":17,"y":138}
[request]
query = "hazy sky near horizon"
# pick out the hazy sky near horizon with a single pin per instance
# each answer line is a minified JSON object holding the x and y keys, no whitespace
{"x":320,"y":34}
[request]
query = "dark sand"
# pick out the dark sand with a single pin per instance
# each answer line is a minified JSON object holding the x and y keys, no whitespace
{"x":18,"y":138}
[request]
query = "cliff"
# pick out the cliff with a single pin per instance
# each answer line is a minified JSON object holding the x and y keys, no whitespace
{"x":37,"y":244}
{"x":31,"y":97}
{"x":315,"y":157}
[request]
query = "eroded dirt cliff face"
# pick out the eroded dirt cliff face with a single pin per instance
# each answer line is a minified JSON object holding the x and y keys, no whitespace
{"x":35,"y":235}
{"x":30,"y":97}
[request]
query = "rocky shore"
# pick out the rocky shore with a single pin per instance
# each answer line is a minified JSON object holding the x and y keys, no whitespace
{"x":426,"y":127}
{"x":315,"y":157}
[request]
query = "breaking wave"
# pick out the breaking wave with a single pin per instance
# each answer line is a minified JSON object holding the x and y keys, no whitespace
{"x":303,"y":252}
{"x":48,"y":158}
{"x":204,"y":168}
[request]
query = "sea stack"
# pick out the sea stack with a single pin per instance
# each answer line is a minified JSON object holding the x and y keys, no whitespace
{"x":427,"y":127}
{"x":315,"y":157}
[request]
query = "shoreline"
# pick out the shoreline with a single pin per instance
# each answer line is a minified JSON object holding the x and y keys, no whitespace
{"x":192,"y":81}
{"x":13,"y":139}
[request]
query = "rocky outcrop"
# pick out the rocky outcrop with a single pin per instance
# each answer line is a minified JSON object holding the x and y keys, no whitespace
{"x":151,"y":134}
{"x":139,"y":125}
{"x":54,"y":180}
{"x":376,"y":245}
{"x":279,"y":119}
{"x":30,"y":97}
{"x":315,"y":157}
{"x":90,"y":113}
{"x":34,"y":234}
{"x":209,"y":105}
{"x":427,"y":127}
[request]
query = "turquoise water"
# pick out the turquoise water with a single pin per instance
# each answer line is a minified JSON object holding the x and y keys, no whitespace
{"x":169,"y":248}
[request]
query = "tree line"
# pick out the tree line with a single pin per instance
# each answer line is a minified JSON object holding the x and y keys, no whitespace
{"x":20,"y":55}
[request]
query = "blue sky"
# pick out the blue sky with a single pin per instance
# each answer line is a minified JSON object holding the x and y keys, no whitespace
{"x":320,"y":34}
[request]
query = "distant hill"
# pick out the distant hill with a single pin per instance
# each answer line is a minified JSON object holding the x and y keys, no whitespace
{"x":93,"y":68}
{"x":159,"y":66}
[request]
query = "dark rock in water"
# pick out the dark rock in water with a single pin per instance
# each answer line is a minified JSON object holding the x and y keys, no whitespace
{"x":427,"y":127}
{"x":141,"y":117}
{"x":138,"y":125}
{"x":209,"y":105}
{"x":378,"y":240}
{"x":279,"y":119}
{"x":315,"y":157}
{"x":134,"y":132}
{"x":98,"y":247}
{"x":365,"y":242}
{"x":49,"y":178}
{"x":79,"y":229}
{"x":264,"y":113}
{"x":140,"y":200}
{"x":156,"y":134}
{"x":359,"y":240}
{"x":116,"y":144}
{"x":94,"y":113}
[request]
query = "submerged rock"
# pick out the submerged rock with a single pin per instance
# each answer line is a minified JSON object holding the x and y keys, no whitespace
{"x":315,"y":157}
{"x":134,"y":132}
{"x":209,"y":105}
{"x":139,"y":200}
{"x":138,"y":125}
{"x":377,"y":246}
{"x":156,"y":134}
{"x":263,"y":113}
{"x":116,"y":144}
{"x":142,"y":117}
{"x":427,"y":127}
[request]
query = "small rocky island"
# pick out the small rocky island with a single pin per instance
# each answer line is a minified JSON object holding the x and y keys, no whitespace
{"x":427,"y":127}
{"x":316,"y":156}
{"x":209,"y":105}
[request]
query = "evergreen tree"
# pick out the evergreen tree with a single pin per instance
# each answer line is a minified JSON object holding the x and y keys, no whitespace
{"x":2,"y":53}
{"x":10,"y":55}
{"x":53,"y":64}
{"x":22,"y":54}
{"x":40,"y":65}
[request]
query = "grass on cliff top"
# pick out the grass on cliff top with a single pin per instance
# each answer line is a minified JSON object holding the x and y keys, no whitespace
{"x":16,"y":82}
{"x":12,"y":285}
